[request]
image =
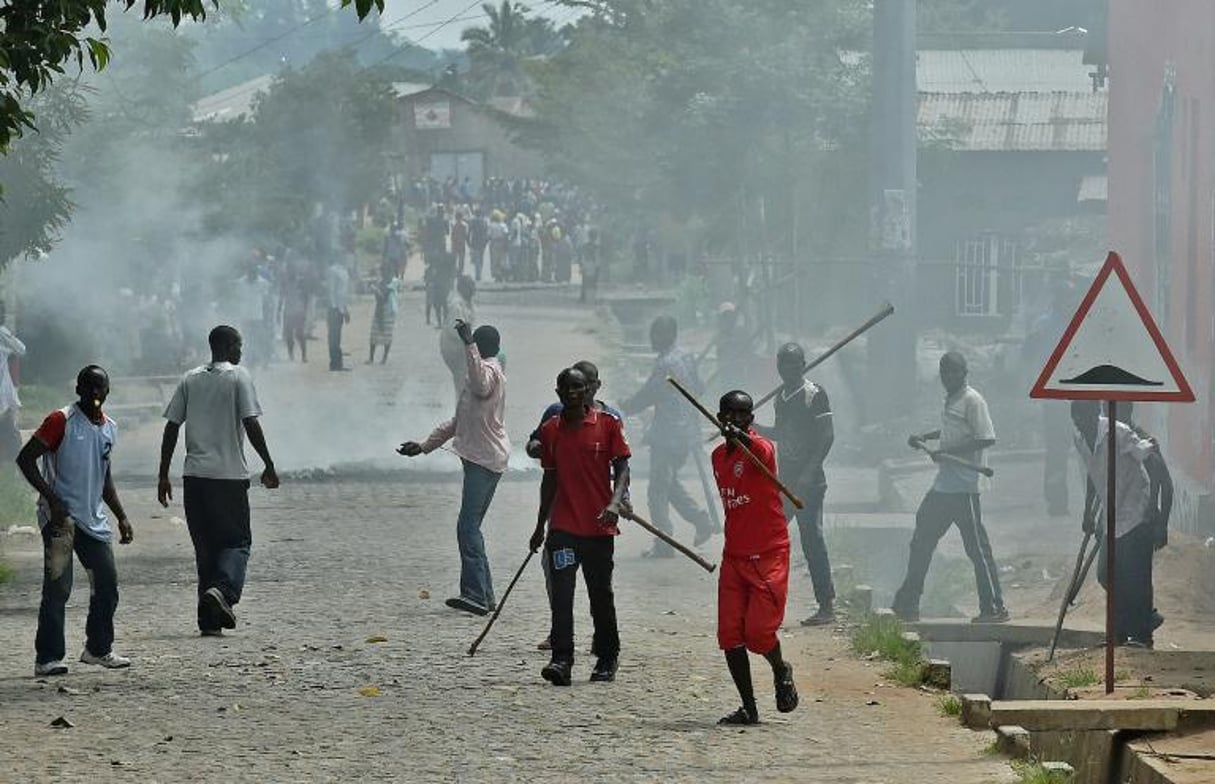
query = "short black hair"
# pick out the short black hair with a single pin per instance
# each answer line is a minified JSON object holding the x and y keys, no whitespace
{"x":571,"y":374}
{"x":223,"y":336}
{"x":89,"y":370}
{"x":791,"y":350}
{"x":488,"y":341}
{"x":588,"y":369}
{"x":954,"y":359}
{"x":736,"y":400}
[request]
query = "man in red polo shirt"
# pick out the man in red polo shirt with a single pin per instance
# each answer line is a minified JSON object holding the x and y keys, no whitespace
{"x":754,"y":577}
{"x":580,"y":451}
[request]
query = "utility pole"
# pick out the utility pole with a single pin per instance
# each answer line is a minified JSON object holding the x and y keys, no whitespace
{"x":892,"y":351}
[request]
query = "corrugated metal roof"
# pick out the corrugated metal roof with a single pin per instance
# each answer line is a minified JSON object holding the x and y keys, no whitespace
{"x":1001,"y":70}
{"x":231,"y":103}
{"x":1014,"y":121}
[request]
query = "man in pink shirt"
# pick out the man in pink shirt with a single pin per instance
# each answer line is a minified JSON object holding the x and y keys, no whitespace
{"x":478,"y":436}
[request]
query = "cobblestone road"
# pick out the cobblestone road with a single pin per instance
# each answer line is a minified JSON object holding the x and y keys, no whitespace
{"x":300,"y":692}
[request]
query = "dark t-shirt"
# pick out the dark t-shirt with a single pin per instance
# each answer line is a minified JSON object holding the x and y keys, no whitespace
{"x":801,"y":429}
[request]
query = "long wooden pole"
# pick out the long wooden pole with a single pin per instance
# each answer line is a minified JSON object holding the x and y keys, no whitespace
{"x":1111,"y":503}
{"x":472,"y":649}
{"x":785,"y":491}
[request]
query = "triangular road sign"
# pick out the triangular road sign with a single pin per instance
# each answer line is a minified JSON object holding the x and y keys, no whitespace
{"x":1112,"y":349}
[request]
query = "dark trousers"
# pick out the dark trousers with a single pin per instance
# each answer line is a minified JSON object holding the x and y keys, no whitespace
{"x":1133,"y":599}
{"x":937,"y":513}
{"x":97,"y":558}
{"x":217,"y":514}
{"x":478,"y":259}
{"x":1056,"y":436}
{"x":810,"y":530}
{"x":665,"y":490}
{"x":565,"y":553}
{"x":335,"y":321}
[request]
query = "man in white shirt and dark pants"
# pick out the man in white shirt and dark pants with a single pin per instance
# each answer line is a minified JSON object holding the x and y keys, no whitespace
{"x":217,"y":402}
{"x":338,"y":289}
{"x":1140,"y":519}
{"x":966,"y":431}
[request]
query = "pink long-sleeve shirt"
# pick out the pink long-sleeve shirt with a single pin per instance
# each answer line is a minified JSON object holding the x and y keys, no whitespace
{"x":478,"y":430}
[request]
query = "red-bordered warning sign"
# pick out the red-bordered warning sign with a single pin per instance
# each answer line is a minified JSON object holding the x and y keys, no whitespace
{"x":1112,"y":349}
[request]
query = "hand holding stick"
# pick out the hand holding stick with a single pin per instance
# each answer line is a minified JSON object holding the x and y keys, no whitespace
{"x":785,"y":491}
{"x":628,"y":514}
{"x":948,"y":458}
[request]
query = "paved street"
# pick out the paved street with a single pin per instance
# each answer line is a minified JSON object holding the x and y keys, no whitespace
{"x":301,"y":692}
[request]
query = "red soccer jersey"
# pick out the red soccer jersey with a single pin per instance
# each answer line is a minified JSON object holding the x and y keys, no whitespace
{"x":755,"y":518}
{"x":582,"y":455}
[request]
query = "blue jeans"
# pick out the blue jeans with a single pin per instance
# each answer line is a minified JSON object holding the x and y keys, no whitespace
{"x":97,"y":557}
{"x":479,"y":486}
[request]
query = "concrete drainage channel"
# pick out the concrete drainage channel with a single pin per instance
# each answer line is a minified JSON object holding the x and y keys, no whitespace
{"x":1159,"y":735}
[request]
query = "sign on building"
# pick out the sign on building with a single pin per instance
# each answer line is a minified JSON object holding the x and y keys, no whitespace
{"x":432,"y":115}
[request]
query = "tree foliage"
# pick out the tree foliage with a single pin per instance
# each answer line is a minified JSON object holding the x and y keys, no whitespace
{"x":39,"y":39}
{"x":498,"y":49}
{"x":709,"y":110}
{"x":319,"y":136}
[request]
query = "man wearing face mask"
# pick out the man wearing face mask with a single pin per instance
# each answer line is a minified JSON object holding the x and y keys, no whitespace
{"x":966,"y":431}
{"x":74,"y":445}
{"x":804,"y":433}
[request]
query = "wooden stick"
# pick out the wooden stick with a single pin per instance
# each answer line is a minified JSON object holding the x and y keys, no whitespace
{"x":664,"y":536}
{"x":948,"y":458}
{"x":785,"y":491}
{"x":472,"y":649}
{"x":886,"y":310}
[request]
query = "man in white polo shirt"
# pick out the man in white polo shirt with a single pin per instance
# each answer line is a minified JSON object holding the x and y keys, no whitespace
{"x":966,"y":432}
{"x":74,"y":445}
{"x":218,"y":405}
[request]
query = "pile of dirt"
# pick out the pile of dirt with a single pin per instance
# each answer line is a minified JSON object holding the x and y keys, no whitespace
{"x":1183,"y":578}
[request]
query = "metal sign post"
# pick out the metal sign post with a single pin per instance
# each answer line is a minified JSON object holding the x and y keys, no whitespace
{"x":1110,"y":506}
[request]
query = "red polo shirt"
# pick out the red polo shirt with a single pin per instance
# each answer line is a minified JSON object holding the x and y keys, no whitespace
{"x":582,"y":455}
{"x":755,"y":518}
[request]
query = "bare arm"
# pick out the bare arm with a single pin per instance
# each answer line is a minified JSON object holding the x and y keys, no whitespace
{"x":548,"y":494}
{"x":27,"y":461}
{"x":253,"y":429}
{"x":168,"y":443}
{"x":109,"y":493}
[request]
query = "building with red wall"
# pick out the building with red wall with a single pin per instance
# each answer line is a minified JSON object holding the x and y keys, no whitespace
{"x":1161,"y":58}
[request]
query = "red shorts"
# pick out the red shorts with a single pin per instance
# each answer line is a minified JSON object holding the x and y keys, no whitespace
{"x":751,"y":595}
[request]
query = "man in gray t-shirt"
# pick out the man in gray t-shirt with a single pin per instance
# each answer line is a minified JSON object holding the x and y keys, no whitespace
{"x":966,"y":432}
{"x":218,"y":405}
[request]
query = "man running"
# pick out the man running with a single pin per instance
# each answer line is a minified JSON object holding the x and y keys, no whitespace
{"x":754,"y":580}
{"x":579,"y":449}
{"x":217,"y":403}
{"x":478,"y":436}
{"x":75,"y":445}
{"x":966,"y":431}
{"x":805,"y":433}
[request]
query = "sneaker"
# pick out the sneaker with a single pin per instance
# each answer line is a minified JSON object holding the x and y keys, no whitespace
{"x":45,"y":669}
{"x":211,"y":632}
{"x":466,"y":605}
{"x":557,"y":673}
{"x":605,"y":669}
{"x":213,"y":603}
{"x":786,"y":690}
{"x":111,"y":661}
{"x":824,"y":617}
{"x":545,"y":645}
{"x":742,"y":716}
{"x":998,"y":615}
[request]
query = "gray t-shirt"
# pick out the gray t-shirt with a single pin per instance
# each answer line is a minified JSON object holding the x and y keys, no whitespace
{"x":964,"y":418}
{"x":213,"y":401}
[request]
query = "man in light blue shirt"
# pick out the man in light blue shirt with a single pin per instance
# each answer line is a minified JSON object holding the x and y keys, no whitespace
{"x":966,"y":432}
{"x":74,"y":445}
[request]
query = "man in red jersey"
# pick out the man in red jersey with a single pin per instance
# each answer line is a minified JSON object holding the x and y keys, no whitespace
{"x":581,"y":450}
{"x":754,"y":578}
